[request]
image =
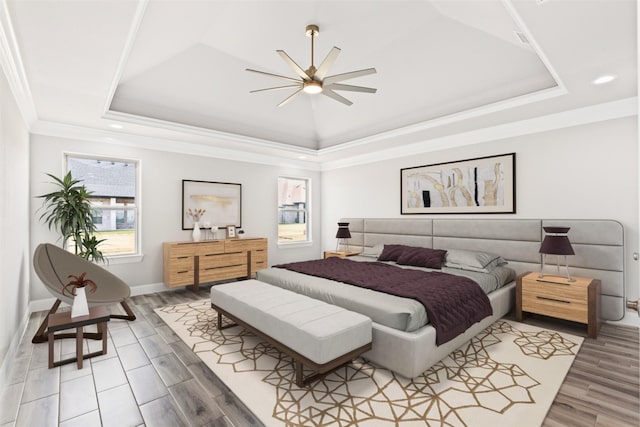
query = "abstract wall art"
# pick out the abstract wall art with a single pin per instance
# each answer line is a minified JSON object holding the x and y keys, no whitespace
{"x":480,"y":185}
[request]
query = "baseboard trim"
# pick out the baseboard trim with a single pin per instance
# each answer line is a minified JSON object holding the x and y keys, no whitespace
{"x":631,"y":318}
{"x":9,"y":358}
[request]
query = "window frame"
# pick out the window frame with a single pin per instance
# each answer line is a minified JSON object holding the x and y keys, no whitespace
{"x":136,"y":256}
{"x":307,"y":211}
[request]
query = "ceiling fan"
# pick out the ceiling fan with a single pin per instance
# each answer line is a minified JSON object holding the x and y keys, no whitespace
{"x":315,"y":80}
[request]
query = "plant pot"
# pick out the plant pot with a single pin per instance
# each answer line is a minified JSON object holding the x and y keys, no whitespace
{"x":80,"y":306}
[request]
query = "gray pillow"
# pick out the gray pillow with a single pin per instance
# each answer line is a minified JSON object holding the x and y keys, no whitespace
{"x":473,"y":260}
{"x":373,"y":251}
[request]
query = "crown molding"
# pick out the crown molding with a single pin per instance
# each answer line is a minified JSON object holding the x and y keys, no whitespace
{"x":206,"y":147}
{"x":580,"y":116}
{"x":11,"y":63}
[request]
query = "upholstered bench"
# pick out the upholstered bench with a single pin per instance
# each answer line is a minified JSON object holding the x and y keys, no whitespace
{"x":315,"y":334}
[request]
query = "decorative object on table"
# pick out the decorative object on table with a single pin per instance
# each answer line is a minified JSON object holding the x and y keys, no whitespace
{"x":343,"y":235}
{"x":240,"y":232}
{"x":556,"y":242}
{"x":231,"y":231}
{"x":196,"y":214}
{"x":214,"y":232}
{"x":315,"y":80}
{"x":68,"y":211}
{"x":206,"y":226}
{"x":480,"y":185}
{"x":80,"y":307}
{"x":221,"y":201}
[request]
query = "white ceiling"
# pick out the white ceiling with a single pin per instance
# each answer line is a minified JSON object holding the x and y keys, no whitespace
{"x":175,"y":70}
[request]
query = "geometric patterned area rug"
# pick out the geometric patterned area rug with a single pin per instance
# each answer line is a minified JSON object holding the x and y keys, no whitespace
{"x":507,"y":375}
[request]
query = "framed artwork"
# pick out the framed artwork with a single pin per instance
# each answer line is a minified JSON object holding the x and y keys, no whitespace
{"x":231,"y":232}
{"x":220,"y":201}
{"x":480,"y":185}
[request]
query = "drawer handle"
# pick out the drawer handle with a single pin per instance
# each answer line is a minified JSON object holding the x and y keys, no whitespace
{"x":224,"y":266}
{"x":183,"y":257}
{"x":553,"y":299}
{"x":183,"y":271}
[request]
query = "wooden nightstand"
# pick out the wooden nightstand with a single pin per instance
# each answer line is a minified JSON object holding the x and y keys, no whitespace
{"x":339,"y":254}
{"x":555,"y":296}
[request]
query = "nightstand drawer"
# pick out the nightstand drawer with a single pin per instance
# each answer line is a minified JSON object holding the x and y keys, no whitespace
{"x":571,"y":292}
{"x":559,"y":307}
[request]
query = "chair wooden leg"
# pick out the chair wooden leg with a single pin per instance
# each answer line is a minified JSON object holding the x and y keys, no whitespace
{"x":40,"y":336}
{"x":127,"y":309}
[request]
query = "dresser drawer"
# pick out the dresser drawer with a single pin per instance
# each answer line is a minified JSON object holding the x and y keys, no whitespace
{"x":223,"y":260}
{"x":221,"y":273}
{"x":180,"y":278}
{"x":180,"y":250}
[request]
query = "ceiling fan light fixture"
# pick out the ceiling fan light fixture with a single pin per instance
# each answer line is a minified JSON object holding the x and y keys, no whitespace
{"x":312,"y":87}
{"x":315,"y":80}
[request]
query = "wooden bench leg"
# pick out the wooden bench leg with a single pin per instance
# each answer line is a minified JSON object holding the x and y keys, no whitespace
{"x":299,"y":377}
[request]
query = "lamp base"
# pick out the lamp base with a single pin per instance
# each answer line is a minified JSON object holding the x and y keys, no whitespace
{"x":566,"y":264}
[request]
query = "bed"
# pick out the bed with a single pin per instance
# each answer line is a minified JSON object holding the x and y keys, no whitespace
{"x":403,"y":341}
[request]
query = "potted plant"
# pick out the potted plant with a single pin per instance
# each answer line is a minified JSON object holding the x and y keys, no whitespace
{"x":68,"y":211}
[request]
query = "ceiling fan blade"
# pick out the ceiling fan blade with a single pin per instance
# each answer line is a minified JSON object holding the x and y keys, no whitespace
{"x":345,"y":76}
{"x":327,"y":62}
{"x":275,"y":88}
{"x":331,"y":94}
{"x":291,"y":79}
{"x":288,"y":99}
{"x":295,"y":67}
{"x":351,"y":88}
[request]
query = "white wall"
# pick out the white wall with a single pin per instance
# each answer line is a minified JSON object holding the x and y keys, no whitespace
{"x":14,"y":222}
{"x":583,"y":172}
{"x":161,"y":204}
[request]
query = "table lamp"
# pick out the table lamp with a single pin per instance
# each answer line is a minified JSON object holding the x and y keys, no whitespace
{"x":557,"y":243}
{"x":343,"y":235}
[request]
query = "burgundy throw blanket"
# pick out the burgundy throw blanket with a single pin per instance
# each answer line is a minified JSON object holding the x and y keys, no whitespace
{"x":453,"y":303}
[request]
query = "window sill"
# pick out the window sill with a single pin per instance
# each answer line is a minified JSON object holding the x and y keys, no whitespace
{"x":284,"y":245}
{"x":124,"y":259}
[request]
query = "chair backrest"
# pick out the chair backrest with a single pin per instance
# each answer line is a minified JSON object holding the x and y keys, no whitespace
{"x":54,"y":265}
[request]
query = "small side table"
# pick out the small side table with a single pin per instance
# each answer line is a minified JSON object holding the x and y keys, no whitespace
{"x":577,"y":301}
{"x":340,"y":254}
{"x":60,"y":321}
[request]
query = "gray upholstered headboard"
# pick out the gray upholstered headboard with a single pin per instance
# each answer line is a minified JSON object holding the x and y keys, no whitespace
{"x":599,"y":245}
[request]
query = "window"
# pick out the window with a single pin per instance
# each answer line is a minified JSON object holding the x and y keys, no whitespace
{"x":293,"y":213}
{"x":113,"y":184}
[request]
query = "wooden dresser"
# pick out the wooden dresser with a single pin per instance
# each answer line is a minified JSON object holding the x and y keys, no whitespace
{"x":192,"y":263}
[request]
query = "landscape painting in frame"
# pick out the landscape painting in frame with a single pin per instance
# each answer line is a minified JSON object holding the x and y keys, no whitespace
{"x":222,"y":202}
{"x":481,"y":185}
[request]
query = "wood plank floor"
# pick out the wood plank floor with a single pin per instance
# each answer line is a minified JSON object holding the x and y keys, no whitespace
{"x":150,"y":377}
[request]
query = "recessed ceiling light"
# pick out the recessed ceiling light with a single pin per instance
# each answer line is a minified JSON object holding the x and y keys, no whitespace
{"x":302,"y":157}
{"x":115,"y":126}
{"x":604,"y":79}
